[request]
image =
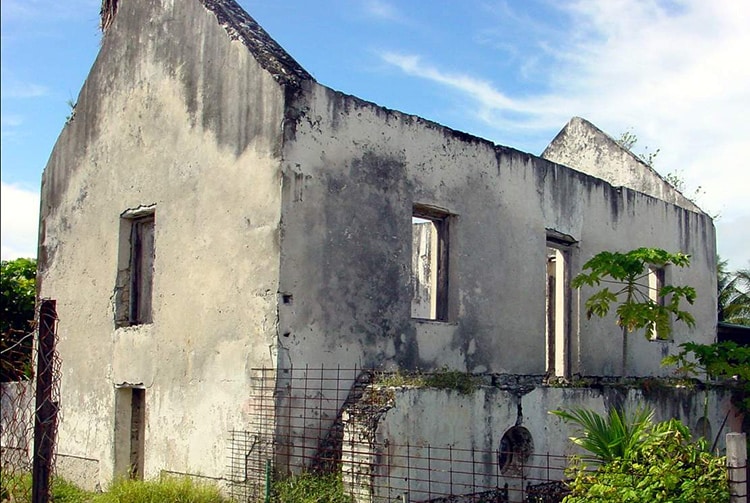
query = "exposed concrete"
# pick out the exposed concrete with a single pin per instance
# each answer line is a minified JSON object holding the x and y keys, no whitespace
{"x":190,"y":125}
{"x":584,"y":147}
{"x":283,"y":236}
{"x":390,"y":434}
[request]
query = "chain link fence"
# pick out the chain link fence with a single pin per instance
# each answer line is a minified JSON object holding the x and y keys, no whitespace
{"x":29,"y":394}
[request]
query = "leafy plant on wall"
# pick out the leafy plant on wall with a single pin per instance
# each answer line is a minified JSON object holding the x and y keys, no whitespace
{"x":624,"y":276}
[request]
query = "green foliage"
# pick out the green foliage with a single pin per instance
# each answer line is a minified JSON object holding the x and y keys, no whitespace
{"x":628,"y":139}
{"x":310,"y":488}
{"x":173,"y":489}
{"x":462,"y":382}
{"x":666,"y":466}
{"x":628,"y":273}
{"x":445,"y":378}
{"x":17,"y":488}
{"x":721,"y":360}
{"x":400,"y":379}
{"x":17,"y":294}
{"x":733,"y":295}
{"x":17,"y":299}
{"x":615,"y":436}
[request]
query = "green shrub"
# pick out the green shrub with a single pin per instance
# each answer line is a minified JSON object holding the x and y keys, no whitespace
{"x":665,"y":466}
{"x":444,"y":378}
{"x":66,"y":492}
{"x":17,"y":488}
{"x":310,"y":488}
{"x":171,"y":489}
{"x":607,"y":438}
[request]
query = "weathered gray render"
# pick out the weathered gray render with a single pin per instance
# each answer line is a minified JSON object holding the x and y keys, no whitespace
{"x":282,"y":235}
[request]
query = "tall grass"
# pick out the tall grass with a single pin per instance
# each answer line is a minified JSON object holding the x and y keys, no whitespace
{"x":164,"y":490}
{"x":171,"y":489}
{"x":310,"y":488}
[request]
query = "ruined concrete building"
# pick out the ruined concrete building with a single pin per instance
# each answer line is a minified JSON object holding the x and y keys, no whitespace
{"x":212,"y":210}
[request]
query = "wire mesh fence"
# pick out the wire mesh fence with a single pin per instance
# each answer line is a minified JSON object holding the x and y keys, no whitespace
{"x":328,"y":420}
{"x":29,"y":407}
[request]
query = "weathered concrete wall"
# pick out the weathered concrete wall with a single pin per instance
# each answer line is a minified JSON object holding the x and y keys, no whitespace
{"x":173,"y":114}
{"x":352,"y":172}
{"x":584,"y":147}
{"x":283,"y":235}
{"x":437,"y":442}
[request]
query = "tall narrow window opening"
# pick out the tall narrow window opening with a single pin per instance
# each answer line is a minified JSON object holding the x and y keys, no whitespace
{"x":134,"y":289}
{"x":557,"y":305}
{"x":130,"y":428}
{"x":141,"y":270}
{"x":429,"y":274}
{"x":656,"y":279}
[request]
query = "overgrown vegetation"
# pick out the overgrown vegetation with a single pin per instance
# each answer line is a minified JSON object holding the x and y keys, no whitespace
{"x":721,"y":360}
{"x":445,"y":378}
{"x":733,"y":294}
{"x":166,"y":489}
{"x":17,"y":488}
{"x":310,"y":488}
{"x":615,"y":436}
{"x":628,"y":140}
{"x":17,"y":300}
{"x":639,"y":461}
{"x":177,"y":489}
{"x":639,"y":307}
{"x":676,"y":179}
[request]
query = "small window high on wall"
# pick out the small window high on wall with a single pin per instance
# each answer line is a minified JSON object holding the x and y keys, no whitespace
{"x":429,"y":264}
{"x":135,"y":268}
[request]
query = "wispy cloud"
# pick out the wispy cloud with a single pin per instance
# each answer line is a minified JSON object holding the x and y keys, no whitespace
{"x":492,"y":106}
{"x":383,"y":10}
{"x":19,"y":215}
{"x":41,"y":10}
{"x":24,"y":90}
{"x":11,"y":120}
{"x":672,"y":71}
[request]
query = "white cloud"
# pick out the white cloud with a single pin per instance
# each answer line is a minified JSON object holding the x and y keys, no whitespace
{"x":45,"y":10}
{"x":24,"y":90}
{"x":19,"y":212}
{"x":383,"y":10}
{"x":671,"y":71}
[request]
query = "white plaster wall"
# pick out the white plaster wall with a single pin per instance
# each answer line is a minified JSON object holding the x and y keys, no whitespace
{"x":351,"y":174}
{"x":583,"y":147}
{"x":452,"y":428}
{"x":186,"y":121}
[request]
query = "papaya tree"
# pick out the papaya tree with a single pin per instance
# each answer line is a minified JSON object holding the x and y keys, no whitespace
{"x":641,"y":304}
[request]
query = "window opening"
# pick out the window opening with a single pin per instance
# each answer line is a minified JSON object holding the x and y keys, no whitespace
{"x":429,"y":271}
{"x":130,"y":428}
{"x":516,"y":447}
{"x":557,"y":306}
{"x":136,"y":268}
{"x":656,"y":279}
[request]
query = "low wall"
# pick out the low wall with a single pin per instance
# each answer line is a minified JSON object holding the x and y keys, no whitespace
{"x":422,"y":444}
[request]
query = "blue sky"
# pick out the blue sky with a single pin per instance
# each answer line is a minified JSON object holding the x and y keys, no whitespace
{"x":674,"y":72}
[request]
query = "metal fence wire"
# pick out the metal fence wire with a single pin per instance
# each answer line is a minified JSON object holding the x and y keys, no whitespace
{"x":29,"y":394}
{"x":301,"y":425}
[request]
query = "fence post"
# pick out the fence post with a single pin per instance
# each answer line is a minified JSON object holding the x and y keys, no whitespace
{"x":737,"y":466}
{"x":45,"y":417}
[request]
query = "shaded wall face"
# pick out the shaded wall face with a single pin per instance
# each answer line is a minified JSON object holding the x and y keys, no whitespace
{"x":353,"y":174}
{"x":393,"y":443}
{"x":177,"y":122}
